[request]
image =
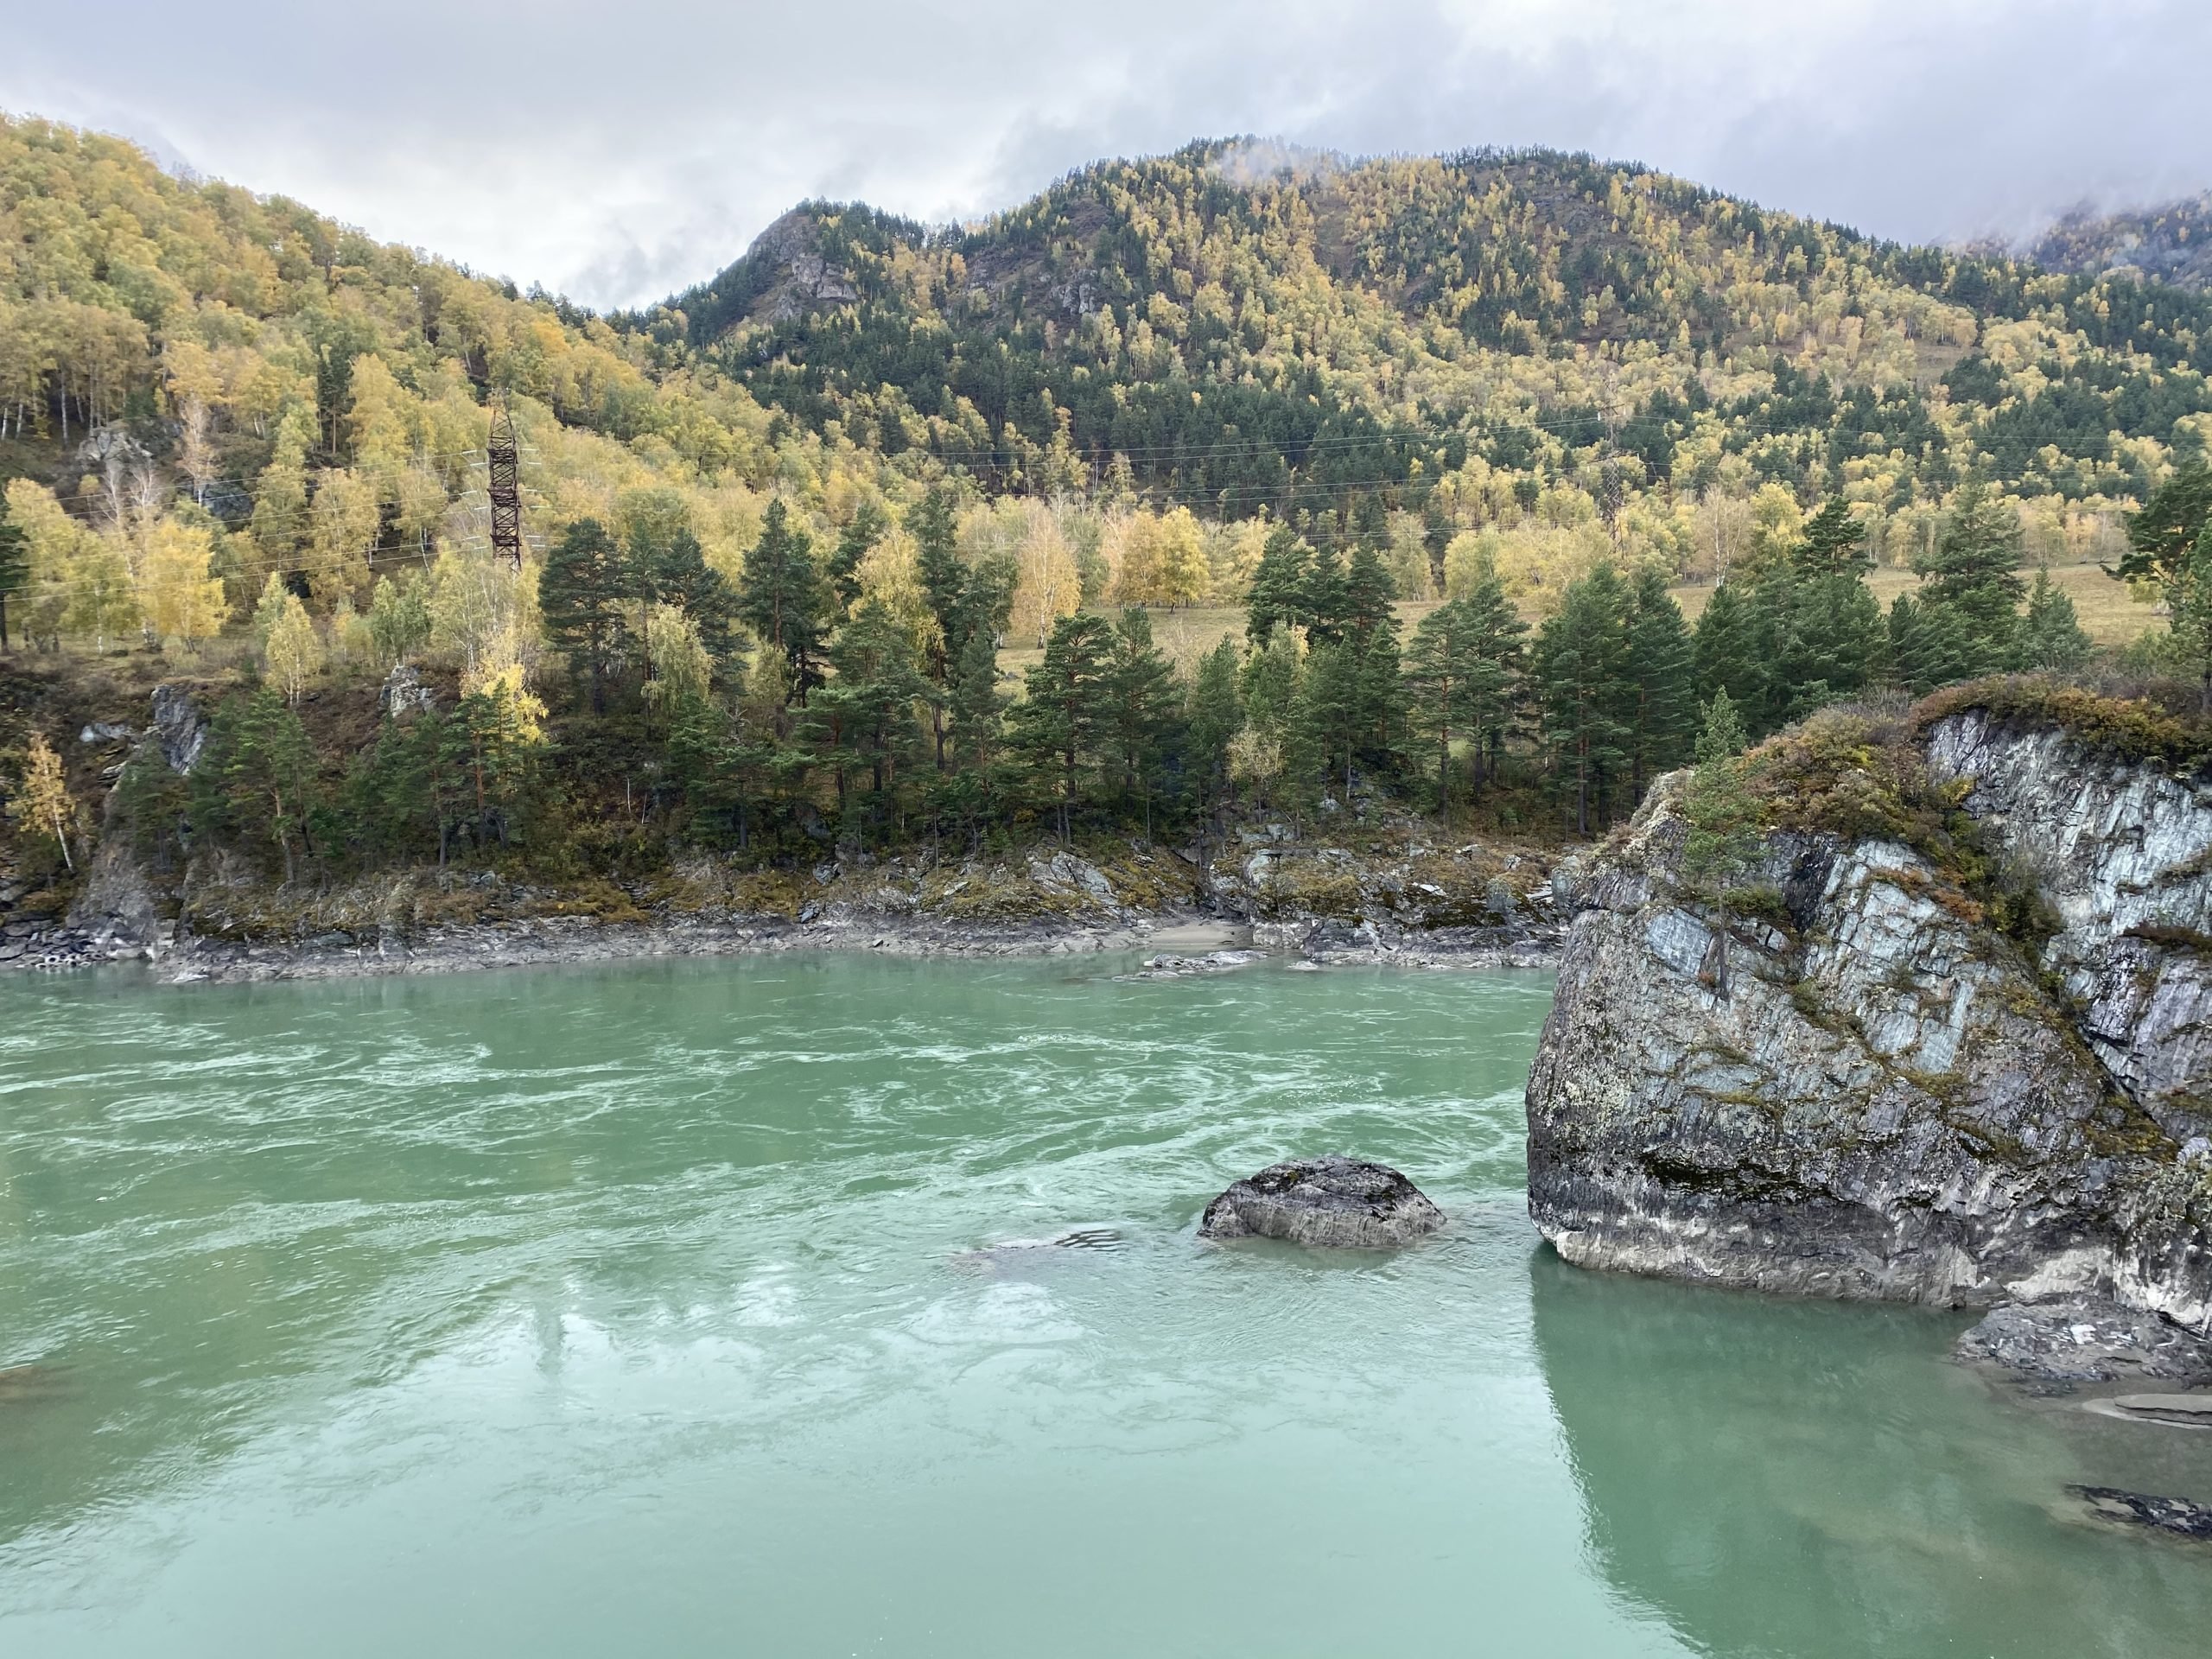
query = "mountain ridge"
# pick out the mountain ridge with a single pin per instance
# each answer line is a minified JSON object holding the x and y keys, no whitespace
{"x":2169,"y":242}
{"x":1439,"y":262}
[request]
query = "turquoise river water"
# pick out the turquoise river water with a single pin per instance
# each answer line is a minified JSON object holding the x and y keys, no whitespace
{"x":660,"y":1309}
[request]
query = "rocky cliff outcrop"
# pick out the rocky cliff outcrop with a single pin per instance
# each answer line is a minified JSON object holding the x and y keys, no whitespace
{"x":1958,"y":1062}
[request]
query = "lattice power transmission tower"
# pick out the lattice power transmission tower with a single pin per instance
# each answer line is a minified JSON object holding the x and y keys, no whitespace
{"x":503,"y":457}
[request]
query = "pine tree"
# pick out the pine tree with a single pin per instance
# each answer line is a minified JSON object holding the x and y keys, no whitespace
{"x":1721,"y":735}
{"x":1833,"y":542}
{"x":1974,"y":573}
{"x":1215,"y":716}
{"x":1498,"y":633}
{"x":1435,"y":537}
{"x":1330,"y":716}
{"x":703,"y":759}
{"x":257,"y":775}
{"x":1144,"y":701}
{"x":2161,"y":537}
{"x":1369,"y":594}
{"x":1063,"y":723}
{"x":974,"y":723}
{"x":863,"y":715}
{"x":1327,"y":596}
{"x":1579,"y":673}
{"x":858,"y":540}
{"x":1661,"y":667}
{"x":1381,"y":685}
{"x":581,"y":597}
{"x":1451,"y":683}
{"x":1370,"y":522}
{"x":784,"y":598}
{"x":1269,"y":684}
{"x":976,"y":707}
{"x":1280,"y":585}
{"x":1727,"y":648}
{"x":496,"y":739}
{"x":2050,"y":634}
{"x":1929,"y":646}
{"x":1820,"y":635}
{"x":944,"y":576}
{"x":673,"y":570}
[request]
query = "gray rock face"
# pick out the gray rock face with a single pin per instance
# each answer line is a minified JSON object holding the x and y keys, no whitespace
{"x":178,"y":728}
{"x":2078,"y":1339}
{"x":2124,"y":854}
{"x":1874,"y":1095}
{"x":803,"y":281}
{"x":1341,"y":1203}
{"x":404,"y":694}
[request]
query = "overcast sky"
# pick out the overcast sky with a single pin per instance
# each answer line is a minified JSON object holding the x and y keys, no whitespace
{"x":618,"y":152}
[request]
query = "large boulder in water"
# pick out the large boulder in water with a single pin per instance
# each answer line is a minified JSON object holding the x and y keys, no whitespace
{"x":1339,"y":1202}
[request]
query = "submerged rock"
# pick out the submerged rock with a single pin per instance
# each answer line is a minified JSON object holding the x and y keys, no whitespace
{"x":2194,"y":1409}
{"x":1167,"y":965}
{"x":1015,"y":1252}
{"x":2081,"y":1339}
{"x":1343,"y":1203}
{"x":2176,"y":1515}
{"x":22,"y":1384}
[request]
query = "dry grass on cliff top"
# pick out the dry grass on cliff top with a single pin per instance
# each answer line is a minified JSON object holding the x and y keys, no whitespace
{"x":2158,"y":721}
{"x":1860,"y":771}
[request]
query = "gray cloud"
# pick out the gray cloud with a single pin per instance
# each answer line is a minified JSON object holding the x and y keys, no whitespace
{"x":618,"y":154}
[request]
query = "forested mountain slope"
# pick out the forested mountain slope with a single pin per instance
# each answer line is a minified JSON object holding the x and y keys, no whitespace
{"x":1252,"y":338}
{"x":784,"y":532}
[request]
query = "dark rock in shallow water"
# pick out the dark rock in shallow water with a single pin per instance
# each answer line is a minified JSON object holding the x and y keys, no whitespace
{"x":1337,"y":1202}
{"x":2083,"y":1340}
{"x":2174,"y":1515}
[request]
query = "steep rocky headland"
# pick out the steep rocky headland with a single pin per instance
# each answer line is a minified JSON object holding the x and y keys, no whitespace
{"x":1939,"y":1038}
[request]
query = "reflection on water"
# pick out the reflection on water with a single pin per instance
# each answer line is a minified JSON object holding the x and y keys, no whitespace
{"x":1779,"y":1478}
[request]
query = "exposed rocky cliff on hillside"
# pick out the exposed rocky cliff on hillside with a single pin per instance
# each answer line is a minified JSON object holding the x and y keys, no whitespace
{"x":1941,"y":1045}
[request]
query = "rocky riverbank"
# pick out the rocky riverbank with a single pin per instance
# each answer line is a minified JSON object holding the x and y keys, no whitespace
{"x":1490,"y":910}
{"x":330,"y":937}
{"x":1372,"y":886}
{"x":1940,"y":1043}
